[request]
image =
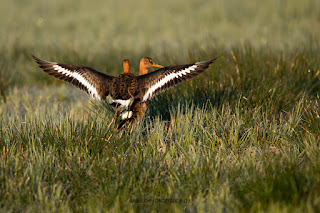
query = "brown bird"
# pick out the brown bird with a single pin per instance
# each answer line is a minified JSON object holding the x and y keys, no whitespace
{"x":125,"y":88}
{"x":138,"y":108}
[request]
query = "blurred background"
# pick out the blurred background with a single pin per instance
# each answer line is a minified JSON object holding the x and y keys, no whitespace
{"x":159,"y":25}
{"x":101,"y":33}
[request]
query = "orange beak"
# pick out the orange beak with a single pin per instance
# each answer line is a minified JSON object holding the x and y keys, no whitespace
{"x":157,"y":65}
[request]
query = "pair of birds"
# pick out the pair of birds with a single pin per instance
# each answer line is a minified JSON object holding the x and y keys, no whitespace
{"x":130,"y":94}
{"x":138,"y":108}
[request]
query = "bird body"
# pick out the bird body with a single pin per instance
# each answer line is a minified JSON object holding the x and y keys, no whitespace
{"x":138,"y":108}
{"x":124,"y":87}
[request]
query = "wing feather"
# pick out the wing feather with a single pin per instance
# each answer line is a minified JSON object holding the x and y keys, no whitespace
{"x":156,"y":82}
{"x":96,"y":84}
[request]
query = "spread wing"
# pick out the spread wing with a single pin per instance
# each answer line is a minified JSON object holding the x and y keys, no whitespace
{"x":158,"y":81}
{"x":96,"y":84}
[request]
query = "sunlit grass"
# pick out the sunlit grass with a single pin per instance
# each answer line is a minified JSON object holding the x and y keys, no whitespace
{"x":242,"y":136}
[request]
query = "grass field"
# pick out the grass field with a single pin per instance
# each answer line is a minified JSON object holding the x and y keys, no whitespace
{"x":243,"y":136}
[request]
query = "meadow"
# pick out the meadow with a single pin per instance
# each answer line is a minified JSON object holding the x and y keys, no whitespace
{"x":243,"y":136}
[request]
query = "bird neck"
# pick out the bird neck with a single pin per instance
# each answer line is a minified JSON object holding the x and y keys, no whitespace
{"x":143,"y":69}
{"x":126,"y":66}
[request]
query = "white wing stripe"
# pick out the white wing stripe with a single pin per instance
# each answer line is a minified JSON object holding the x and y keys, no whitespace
{"x":92,"y":91}
{"x":166,"y":79}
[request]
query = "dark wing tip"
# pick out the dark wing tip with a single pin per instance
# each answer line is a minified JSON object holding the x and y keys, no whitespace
{"x":41,"y":61}
{"x":215,"y":58}
{"x":207,"y":63}
{"x":35,"y":58}
{"x":38,"y":60}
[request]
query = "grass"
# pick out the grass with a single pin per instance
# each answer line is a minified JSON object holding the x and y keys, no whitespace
{"x":237,"y":146}
{"x":243,"y":136}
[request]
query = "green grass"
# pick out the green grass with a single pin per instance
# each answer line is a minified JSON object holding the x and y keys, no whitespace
{"x":225,"y":141}
{"x":243,"y":136}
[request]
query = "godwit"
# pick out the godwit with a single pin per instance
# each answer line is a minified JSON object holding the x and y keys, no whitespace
{"x":138,"y":108}
{"x":126,"y":90}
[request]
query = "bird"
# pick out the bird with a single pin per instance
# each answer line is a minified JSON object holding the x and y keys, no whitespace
{"x":138,"y":108}
{"x":126,"y":89}
{"x":145,"y":64}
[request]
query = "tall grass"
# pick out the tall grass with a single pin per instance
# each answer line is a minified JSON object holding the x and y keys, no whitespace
{"x":243,"y":136}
